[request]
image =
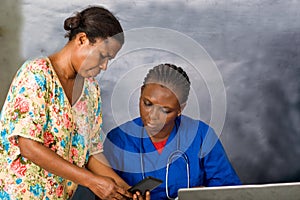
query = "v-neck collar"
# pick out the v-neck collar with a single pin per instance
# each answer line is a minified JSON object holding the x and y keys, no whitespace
{"x":60,"y":85}
{"x":148,"y":146}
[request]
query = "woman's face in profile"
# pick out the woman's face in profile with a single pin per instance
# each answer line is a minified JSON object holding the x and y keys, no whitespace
{"x":95,"y":56}
{"x":158,"y":109}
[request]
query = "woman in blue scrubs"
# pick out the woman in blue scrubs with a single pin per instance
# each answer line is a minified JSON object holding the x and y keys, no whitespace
{"x":163,"y":143}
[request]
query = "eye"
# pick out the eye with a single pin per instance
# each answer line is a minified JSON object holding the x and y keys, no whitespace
{"x":102,"y":56}
{"x":147,"y":103}
{"x":166,"y":110}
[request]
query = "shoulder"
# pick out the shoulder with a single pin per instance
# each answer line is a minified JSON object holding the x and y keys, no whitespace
{"x":193,"y":124}
{"x":37,"y":64}
{"x":127,"y":131}
{"x":33,"y":76}
{"x":198,"y":131}
{"x":34,"y":68}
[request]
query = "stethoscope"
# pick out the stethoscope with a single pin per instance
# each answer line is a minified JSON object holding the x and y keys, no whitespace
{"x":173,"y":156}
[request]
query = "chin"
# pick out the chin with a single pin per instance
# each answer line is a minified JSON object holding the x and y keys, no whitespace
{"x":153,"y":130}
{"x":89,"y":75}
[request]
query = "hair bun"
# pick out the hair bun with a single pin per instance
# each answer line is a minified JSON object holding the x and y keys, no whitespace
{"x":72,"y":22}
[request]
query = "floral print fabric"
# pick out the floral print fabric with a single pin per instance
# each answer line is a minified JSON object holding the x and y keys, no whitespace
{"x":37,"y":108}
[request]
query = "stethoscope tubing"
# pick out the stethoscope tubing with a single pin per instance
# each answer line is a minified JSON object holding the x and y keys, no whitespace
{"x":175,"y":154}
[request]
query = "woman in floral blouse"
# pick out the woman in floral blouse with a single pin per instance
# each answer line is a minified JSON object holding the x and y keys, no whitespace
{"x":51,"y":119}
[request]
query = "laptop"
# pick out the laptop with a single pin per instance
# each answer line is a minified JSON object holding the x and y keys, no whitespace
{"x":277,"y":191}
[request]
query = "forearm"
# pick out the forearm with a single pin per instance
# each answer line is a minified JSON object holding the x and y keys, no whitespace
{"x":51,"y":162}
{"x":99,"y":165}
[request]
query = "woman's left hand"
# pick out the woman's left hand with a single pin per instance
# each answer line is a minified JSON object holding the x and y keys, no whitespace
{"x":139,"y":196}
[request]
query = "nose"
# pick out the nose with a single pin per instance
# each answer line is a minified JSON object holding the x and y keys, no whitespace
{"x":103,"y":65}
{"x":154,"y":113}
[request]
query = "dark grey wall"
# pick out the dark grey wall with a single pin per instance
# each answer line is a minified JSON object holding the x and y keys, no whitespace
{"x":10,"y":30}
{"x":255,"y":45}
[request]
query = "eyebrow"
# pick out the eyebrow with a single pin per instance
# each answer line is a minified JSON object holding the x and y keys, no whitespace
{"x":165,"y":107}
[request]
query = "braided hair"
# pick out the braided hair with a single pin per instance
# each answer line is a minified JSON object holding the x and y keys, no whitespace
{"x":172,"y":77}
{"x":95,"y":22}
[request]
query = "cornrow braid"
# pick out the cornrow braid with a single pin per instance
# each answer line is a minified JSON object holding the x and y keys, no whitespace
{"x":172,"y":77}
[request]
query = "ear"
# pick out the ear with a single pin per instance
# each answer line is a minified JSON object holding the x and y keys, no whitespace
{"x":81,"y":39}
{"x":141,"y":92}
{"x":182,"y":106}
{"x":142,"y":88}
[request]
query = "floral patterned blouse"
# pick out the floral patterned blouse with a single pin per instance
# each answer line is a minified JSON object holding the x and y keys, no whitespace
{"x":37,"y":108}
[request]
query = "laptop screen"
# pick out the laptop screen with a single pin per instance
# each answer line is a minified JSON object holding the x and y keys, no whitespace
{"x":277,"y":191}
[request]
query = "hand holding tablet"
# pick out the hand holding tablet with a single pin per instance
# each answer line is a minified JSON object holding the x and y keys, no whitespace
{"x":147,"y":184}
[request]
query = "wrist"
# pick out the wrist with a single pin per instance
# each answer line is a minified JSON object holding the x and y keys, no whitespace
{"x":86,"y":178}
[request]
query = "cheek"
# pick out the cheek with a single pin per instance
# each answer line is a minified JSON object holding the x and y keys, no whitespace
{"x":82,"y":62}
{"x":90,"y":65}
{"x":170,"y":119}
{"x":92,"y":58}
{"x":90,"y":53}
{"x":143,"y":111}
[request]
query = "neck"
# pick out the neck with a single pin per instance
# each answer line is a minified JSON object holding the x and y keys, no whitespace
{"x":159,"y":138}
{"x":69,"y":79}
{"x":163,"y":134}
{"x":62,"y":65}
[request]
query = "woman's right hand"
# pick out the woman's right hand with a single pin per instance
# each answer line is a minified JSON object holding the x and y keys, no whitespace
{"x":106,"y":188}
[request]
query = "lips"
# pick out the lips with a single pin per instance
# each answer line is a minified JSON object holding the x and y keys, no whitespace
{"x":150,"y":125}
{"x":154,"y":126}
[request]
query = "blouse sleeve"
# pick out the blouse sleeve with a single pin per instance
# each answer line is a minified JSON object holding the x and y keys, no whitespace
{"x":24,"y":110}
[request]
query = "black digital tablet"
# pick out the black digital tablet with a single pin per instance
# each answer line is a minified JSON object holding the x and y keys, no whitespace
{"x":149,"y":183}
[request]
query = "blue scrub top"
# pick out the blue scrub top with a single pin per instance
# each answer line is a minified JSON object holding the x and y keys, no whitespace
{"x":133,"y":156}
